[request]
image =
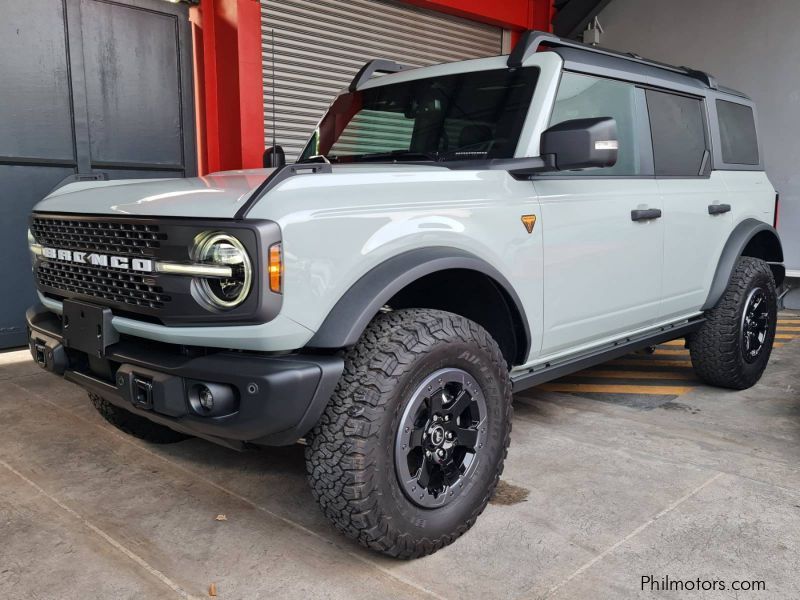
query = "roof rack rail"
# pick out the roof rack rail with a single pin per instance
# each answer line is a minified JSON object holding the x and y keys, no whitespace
{"x":378,"y":65}
{"x":531,"y":40}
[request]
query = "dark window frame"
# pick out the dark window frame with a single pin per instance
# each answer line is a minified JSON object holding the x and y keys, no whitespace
{"x":707,"y":136}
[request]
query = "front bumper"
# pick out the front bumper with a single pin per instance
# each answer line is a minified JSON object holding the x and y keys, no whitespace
{"x":273,"y":400}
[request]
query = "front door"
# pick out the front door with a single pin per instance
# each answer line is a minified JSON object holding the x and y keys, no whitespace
{"x":603,"y":238}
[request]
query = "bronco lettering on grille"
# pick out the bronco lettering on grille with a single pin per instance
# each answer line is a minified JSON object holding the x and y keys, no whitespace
{"x":143,"y":265}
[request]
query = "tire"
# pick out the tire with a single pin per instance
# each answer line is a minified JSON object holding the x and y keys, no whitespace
{"x":358,"y":450}
{"x":134,"y":424}
{"x":723,"y":353}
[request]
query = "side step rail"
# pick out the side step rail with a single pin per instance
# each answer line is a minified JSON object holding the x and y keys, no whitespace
{"x":550,"y":371}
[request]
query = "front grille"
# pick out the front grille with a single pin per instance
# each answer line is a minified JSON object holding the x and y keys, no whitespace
{"x":109,"y":284}
{"x":110,"y":237}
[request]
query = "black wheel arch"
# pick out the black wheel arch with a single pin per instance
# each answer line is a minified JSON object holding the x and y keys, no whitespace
{"x":393,"y":279}
{"x":752,"y":238}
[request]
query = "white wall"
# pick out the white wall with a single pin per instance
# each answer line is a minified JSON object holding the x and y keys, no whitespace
{"x":749,"y":45}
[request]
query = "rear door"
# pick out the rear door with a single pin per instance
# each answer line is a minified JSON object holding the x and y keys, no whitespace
{"x":602,"y":269}
{"x":697,"y":217}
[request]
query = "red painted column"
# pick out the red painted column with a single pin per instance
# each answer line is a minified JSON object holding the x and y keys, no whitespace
{"x":229,"y":96}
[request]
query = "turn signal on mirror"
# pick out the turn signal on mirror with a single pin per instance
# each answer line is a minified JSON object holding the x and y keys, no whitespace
{"x":275,"y":268}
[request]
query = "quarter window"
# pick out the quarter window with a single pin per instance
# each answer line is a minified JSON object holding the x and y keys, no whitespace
{"x":679,"y":135}
{"x":585,"y":97}
{"x":737,"y":129}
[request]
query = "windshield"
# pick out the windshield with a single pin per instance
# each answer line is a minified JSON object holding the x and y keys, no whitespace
{"x":474,"y":115}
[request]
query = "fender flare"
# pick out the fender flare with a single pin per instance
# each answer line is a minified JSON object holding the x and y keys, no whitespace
{"x":741,"y":235}
{"x":351,"y":314}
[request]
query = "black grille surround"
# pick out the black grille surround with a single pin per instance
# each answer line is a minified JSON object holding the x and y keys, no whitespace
{"x":150,"y":296}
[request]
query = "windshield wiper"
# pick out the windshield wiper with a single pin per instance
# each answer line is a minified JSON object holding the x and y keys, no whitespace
{"x":392,"y":155}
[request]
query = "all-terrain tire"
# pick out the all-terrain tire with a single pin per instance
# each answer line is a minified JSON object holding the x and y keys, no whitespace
{"x":718,"y":347}
{"x":350,"y":455}
{"x":134,"y":424}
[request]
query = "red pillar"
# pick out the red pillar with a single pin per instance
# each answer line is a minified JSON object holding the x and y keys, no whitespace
{"x":229,"y":96}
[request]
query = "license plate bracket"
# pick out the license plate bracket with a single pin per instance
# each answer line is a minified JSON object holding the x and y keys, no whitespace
{"x":88,"y":327}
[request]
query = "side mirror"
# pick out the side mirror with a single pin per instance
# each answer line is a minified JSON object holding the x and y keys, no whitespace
{"x":274,"y":156}
{"x":582,"y":143}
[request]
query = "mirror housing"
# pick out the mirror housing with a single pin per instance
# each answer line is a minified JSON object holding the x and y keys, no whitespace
{"x":274,"y":157}
{"x":581,"y":144}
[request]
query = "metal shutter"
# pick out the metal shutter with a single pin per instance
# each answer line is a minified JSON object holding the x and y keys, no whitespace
{"x":321,"y":44}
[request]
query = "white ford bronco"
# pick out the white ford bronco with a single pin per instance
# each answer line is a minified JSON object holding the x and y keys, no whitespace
{"x":450,"y":235}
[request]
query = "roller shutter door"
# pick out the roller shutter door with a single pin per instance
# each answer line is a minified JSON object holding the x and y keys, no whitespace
{"x":321,"y":44}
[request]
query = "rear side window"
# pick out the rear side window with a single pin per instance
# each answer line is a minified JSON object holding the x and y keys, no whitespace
{"x":679,"y":134}
{"x":737,"y":128}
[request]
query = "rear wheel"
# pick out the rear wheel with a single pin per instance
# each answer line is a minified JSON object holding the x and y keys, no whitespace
{"x":412,"y":444}
{"x":734,"y":344}
{"x":134,"y":424}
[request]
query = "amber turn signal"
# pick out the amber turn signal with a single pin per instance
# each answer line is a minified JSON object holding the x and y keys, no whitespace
{"x":275,"y":268}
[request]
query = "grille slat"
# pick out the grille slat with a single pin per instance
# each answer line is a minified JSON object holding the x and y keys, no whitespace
{"x":98,"y":236}
{"x":119,"y":286}
{"x":116,"y":286}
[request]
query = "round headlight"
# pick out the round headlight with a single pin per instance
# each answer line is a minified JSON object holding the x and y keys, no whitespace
{"x":223,"y":250}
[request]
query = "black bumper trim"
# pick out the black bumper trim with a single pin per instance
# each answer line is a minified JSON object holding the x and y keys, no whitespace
{"x":280,"y":398}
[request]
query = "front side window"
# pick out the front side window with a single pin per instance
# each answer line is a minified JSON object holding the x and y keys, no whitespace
{"x":585,"y":97}
{"x":737,"y":129}
{"x":679,"y":135}
{"x":476,"y":115}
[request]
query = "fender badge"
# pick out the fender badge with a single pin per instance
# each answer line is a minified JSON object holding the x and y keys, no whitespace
{"x":529,"y":221}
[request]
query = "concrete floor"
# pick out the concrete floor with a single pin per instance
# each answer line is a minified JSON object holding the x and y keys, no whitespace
{"x":597,"y":494}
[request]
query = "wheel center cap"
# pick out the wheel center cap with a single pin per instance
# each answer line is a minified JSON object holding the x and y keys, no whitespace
{"x":437,"y":435}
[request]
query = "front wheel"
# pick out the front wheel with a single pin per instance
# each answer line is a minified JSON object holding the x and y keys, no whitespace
{"x":733,"y":346}
{"x":412,"y":444}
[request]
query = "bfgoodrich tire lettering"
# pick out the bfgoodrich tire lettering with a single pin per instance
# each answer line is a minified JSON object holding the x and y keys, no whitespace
{"x":726,"y":351}
{"x":351,"y":452}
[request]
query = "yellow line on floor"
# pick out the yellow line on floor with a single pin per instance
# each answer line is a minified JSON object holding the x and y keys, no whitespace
{"x":786,"y":328}
{"x":651,"y":390}
{"x":675,"y":351}
{"x":785,"y":336}
{"x":611,"y":374}
{"x":788,"y":321}
{"x":679,"y":342}
{"x":632,"y":362}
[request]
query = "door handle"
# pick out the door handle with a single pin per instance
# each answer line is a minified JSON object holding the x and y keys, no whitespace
{"x":645,"y":214}
{"x":718,"y":209}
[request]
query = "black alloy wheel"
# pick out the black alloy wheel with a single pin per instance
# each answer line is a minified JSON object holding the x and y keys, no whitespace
{"x":441,"y":434}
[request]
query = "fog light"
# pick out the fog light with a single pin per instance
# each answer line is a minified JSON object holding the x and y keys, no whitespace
{"x":209,"y":399}
{"x":206,"y":398}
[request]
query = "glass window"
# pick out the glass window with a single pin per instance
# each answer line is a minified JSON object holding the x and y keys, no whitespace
{"x":679,"y":134}
{"x":737,"y":128}
{"x":472,"y":115}
{"x":584,"y":97}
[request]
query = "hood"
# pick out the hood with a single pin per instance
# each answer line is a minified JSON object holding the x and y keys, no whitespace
{"x":214,"y":196}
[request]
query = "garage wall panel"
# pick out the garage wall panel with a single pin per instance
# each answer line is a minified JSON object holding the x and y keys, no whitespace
{"x":132,"y":84}
{"x":321,"y":44}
